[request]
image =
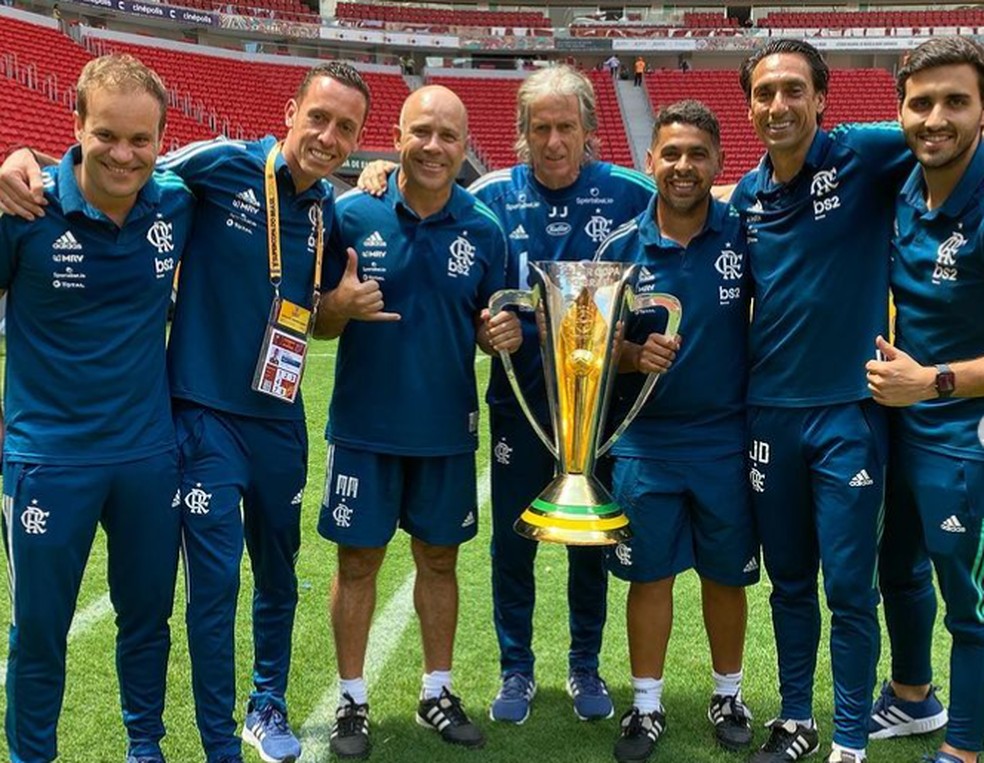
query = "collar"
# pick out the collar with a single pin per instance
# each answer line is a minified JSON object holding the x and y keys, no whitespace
{"x":72,"y":201}
{"x":453,"y":209}
{"x":554,"y":195}
{"x":651,"y":236}
{"x":813,"y":161}
{"x":914,"y":191}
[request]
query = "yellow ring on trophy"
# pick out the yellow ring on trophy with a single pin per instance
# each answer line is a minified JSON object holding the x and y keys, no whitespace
{"x":599,"y":525}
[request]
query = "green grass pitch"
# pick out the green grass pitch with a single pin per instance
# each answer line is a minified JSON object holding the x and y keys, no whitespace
{"x":91,"y":731}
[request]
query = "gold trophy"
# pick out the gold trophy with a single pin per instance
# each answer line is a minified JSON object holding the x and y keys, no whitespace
{"x":580,"y":307}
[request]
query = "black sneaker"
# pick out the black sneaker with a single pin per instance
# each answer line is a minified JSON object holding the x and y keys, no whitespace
{"x":732,"y":721}
{"x":350,"y":731}
{"x":787,"y":741}
{"x":445,"y":715}
{"x":639,"y":734}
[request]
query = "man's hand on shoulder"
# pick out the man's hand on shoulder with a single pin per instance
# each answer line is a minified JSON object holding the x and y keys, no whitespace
{"x":21,"y":189}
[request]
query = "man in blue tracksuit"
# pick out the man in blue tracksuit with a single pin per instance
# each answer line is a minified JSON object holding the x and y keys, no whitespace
{"x":88,"y":435}
{"x":934,"y":376}
{"x":558,"y":204}
{"x":679,"y":468}
{"x":818,"y":211}
{"x":403,"y":421}
{"x":240,"y":446}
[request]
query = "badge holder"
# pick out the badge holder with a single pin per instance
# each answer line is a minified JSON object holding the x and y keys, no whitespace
{"x":280,"y":365}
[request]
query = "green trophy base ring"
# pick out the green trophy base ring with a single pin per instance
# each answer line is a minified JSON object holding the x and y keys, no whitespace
{"x":577,"y":511}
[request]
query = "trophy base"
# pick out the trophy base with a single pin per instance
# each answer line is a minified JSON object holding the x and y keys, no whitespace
{"x":577,"y":511}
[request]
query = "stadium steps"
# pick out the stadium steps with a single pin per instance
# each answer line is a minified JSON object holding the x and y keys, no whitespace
{"x":638,"y":118}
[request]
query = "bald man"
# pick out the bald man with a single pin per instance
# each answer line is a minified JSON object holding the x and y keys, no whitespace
{"x":403,"y":420}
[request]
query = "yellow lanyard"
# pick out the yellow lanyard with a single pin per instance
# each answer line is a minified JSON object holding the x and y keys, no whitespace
{"x":273,"y":230}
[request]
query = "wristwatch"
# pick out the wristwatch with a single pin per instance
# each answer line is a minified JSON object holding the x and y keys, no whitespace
{"x":945,"y":380}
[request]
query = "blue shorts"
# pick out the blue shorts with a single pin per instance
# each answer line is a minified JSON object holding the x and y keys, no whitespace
{"x":368,"y":495}
{"x":686,"y":514}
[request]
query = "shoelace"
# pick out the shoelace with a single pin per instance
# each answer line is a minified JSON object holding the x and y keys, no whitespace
{"x":735,"y":709}
{"x":452,"y":708}
{"x":515,"y":686}
{"x":351,"y":716}
{"x":779,"y":738}
{"x":271,"y":716}
{"x":635,"y":725}
{"x":588,"y":682}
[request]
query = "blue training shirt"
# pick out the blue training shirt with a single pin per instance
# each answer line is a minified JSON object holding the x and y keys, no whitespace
{"x":224,"y":294}
{"x":819,"y":248}
{"x":938,"y":285}
{"x":86,"y":312}
{"x":553,"y":225}
{"x":408,"y":387}
{"x":697,"y":409}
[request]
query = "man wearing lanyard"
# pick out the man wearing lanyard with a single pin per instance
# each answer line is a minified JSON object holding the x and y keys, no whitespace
{"x":934,"y":377}
{"x":403,"y":455}
{"x":89,"y":435}
{"x":234,"y":360}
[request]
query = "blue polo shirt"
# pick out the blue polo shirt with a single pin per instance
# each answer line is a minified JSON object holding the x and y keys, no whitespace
{"x":819,"y":249}
{"x":938,"y":285}
{"x":225,"y":294}
{"x":697,"y":409}
{"x":408,"y":387}
{"x":553,"y":225}
{"x":86,"y":313}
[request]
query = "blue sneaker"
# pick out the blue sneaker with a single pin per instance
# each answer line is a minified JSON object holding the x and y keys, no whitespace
{"x":590,"y":695}
{"x":155,"y":758}
{"x":232,"y":759}
{"x":894,"y":717}
{"x":512,"y":703}
{"x":267,"y":730}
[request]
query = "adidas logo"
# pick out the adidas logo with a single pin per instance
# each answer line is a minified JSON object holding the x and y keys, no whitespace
{"x":176,"y":501}
{"x":66,"y":242}
{"x":297,"y":499}
{"x":751,"y":566}
{"x":374,"y":240}
{"x":861,"y":479}
{"x":646,"y":275}
{"x":519,"y":233}
{"x":952,"y":525}
{"x":469,"y":520}
{"x":249,"y":197}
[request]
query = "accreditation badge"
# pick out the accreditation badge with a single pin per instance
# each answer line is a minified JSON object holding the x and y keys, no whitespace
{"x":280,"y":365}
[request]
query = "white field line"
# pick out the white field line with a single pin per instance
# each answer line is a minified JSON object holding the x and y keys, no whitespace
{"x":384,"y":639}
{"x":81,"y":624}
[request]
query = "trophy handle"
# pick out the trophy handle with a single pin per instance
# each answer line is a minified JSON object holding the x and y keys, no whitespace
{"x":637,"y":303}
{"x":524,"y":300}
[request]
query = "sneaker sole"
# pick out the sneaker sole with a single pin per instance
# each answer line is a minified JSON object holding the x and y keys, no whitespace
{"x":424,"y":723}
{"x":250,"y":738}
{"x":349,"y":756}
{"x":520,"y":722}
{"x":912,"y":728}
{"x":589,"y":718}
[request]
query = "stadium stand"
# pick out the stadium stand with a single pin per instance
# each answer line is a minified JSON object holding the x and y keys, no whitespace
{"x":894,"y":19}
{"x":696,"y":20}
{"x":856,"y":95}
{"x":412,"y":14}
{"x":246,"y":99}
